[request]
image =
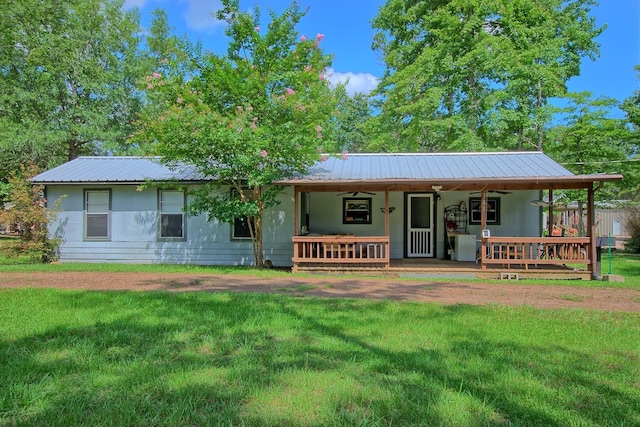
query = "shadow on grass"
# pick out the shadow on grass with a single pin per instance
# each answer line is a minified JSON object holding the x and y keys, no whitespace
{"x":251,"y":359}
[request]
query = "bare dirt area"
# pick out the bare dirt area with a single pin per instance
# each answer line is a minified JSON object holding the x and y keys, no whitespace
{"x":428,"y":290}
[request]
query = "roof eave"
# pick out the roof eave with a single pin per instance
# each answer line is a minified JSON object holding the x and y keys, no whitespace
{"x":490,"y":183}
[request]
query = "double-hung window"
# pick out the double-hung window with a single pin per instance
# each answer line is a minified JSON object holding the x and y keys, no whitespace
{"x":97,"y":211}
{"x":171,"y":214}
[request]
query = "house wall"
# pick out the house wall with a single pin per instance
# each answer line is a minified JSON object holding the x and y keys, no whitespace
{"x":517,"y":217}
{"x":135,"y":232}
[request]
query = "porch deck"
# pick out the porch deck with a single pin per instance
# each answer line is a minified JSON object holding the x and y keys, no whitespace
{"x":433,"y":268}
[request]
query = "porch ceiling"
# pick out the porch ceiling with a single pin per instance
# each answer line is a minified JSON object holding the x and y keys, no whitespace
{"x":532,"y":183}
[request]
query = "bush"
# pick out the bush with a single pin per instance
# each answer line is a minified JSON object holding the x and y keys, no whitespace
{"x":28,"y":214}
{"x":633,"y":225}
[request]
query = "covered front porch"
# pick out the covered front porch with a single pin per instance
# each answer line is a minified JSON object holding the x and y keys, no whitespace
{"x":468,"y":213}
{"x":505,"y":258}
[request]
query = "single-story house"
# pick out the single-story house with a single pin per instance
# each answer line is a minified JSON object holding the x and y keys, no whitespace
{"x":363,"y":212}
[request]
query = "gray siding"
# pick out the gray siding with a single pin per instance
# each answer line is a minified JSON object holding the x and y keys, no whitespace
{"x":135,"y":235}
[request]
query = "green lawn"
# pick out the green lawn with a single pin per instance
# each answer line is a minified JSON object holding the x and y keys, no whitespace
{"x":128,"y":358}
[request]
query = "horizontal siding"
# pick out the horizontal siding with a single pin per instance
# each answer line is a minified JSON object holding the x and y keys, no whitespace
{"x":134,"y":233}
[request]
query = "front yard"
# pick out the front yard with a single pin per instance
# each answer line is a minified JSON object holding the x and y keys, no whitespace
{"x":162,"y":358}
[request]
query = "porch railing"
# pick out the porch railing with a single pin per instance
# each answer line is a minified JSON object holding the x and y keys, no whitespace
{"x":527,"y":251}
{"x":340,"y":250}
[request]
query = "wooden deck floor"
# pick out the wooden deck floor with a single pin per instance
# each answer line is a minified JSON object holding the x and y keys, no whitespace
{"x":440,"y":268}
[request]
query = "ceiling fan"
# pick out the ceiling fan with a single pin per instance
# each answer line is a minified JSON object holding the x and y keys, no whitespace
{"x":355,"y":193}
{"x":493,"y":191}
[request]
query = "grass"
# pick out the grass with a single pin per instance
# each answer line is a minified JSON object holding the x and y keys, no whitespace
{"x":158,"y":358}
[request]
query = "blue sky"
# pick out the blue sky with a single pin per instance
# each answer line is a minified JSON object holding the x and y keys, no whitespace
{"x":346,"y":25}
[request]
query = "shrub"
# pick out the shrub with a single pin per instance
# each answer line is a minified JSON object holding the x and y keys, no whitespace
{"x":633,"y":225}
{"x":27,"y":213}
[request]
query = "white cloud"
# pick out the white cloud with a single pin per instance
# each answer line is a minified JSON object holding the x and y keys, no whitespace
{"x":199,"y":14}
{"x":356,"y":82}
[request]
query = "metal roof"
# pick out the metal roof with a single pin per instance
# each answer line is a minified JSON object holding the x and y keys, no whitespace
{"x":357,"y":168}
{"x":123,"y":170}
{"x":433,"y":167}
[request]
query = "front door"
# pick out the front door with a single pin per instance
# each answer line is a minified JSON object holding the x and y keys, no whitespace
{"x":420,"y":225}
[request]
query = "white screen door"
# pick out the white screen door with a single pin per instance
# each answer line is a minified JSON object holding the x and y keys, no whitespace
{"x":419,"y":225}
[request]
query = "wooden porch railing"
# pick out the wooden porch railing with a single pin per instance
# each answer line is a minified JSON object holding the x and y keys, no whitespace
{"x":526,"y":251}
{"x":340,"y":250}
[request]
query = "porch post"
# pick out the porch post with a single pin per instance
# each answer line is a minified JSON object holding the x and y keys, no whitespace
{"x":591,"y":231}
{"x":386,"y":212}
{"x":296,"y":211}
{"x":550,"y":214}
{"x":483,"y":226}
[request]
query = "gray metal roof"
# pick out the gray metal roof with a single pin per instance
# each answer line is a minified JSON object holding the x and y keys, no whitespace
{"x":357,"y":168}
{"x":434,"y":167}
{"x":122,"y":170}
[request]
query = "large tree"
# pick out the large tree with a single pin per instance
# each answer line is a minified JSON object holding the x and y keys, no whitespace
{"x":631,"y":106}
{"x":348,"y":128}
{"x":247,"y":118}
{"x":68,"y":79}
{"x":475,"y":75}
{"x":588,"y":140}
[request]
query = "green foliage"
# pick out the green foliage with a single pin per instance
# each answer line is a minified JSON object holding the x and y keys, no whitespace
{"x":248,"y":118}
{"x":69,"y":72}
{"x":631,"y":106}
{"x":349,"y":126}
{"x":589,"y":141}
{"x":27,"y":212}
{"x":469,"y":75}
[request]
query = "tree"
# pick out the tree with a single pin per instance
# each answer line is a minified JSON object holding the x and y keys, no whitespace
{"x":476,"y":75}
{"x":248,"y":118}
{"x":590,"y":141}
{"x":27,"y":211}
{"x":68,"y":79}
{"x":348,"y":127}
{"x":631,"y":106}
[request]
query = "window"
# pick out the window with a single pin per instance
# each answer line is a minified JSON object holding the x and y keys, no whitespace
{"x":171,"y":214}
{"x":97,"y":212}
{"x":493,"y":210}
{"x":356,"y":211}
{"x":240,"y":228}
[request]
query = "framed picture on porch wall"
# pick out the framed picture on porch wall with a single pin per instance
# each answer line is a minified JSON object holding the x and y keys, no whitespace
{"x":493,"y":210}
{"x":356,"y":211}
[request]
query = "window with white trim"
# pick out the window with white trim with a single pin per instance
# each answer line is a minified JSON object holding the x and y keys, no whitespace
{"x":97,"y":214}
{"x":493,"y":210}
{"x":171,"y":205}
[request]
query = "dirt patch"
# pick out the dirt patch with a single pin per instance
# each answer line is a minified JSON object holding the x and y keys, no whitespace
{"x":428,"y":290}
